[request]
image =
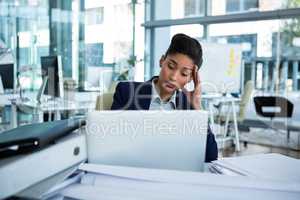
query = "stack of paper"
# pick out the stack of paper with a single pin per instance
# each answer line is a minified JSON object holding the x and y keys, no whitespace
{"x":263,"y":166}
{"x":114,"y":182}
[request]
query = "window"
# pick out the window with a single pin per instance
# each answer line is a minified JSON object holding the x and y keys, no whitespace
{"x":250,"y":4}
{"x":189,"y":7}
{"x":241,"y":5}
{"x":194,"y":8}
{"x":94,"y":16}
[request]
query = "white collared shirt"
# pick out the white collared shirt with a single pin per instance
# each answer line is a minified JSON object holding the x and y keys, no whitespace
{"x":158,"y":104}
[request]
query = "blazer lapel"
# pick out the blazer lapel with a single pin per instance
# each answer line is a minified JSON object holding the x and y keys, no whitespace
{"x":143,"y":94}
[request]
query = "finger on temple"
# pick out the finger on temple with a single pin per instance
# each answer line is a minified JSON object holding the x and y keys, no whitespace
{"x":196,"y":76}
{"x":196,"y":68}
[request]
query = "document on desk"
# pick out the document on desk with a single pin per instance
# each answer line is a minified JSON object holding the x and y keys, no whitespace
{"x":264,"y":166}
{"x":114,"y":182}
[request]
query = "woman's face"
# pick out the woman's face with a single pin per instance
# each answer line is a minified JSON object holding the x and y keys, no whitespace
{"x":176,"y":71}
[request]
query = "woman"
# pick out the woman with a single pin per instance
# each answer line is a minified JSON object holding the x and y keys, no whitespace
{"x":179,"y":66}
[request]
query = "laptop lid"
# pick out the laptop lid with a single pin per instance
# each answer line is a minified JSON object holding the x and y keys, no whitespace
{"x":151,"y":139}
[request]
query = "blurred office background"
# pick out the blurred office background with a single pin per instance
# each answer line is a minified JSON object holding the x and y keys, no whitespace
{"x":122,"y":35}
{"x":103,"y":41}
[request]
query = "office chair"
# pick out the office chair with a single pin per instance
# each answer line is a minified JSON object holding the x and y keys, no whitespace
{"x":105,"y":100}
{"x":265,"y":106}
{"x":245,"y":99}
{"x":274,"y":106}
{"x":223,"y":108}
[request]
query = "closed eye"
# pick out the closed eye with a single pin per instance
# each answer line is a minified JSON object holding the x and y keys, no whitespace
{"x":186,"y":73}
{"x":171,"y":66}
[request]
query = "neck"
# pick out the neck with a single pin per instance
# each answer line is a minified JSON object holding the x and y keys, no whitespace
{"x":162,"y":94}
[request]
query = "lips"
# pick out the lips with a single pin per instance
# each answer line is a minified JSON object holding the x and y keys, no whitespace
{"x":170,"y":85}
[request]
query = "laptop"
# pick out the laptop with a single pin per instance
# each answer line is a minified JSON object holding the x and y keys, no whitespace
{"x":151,"y":139}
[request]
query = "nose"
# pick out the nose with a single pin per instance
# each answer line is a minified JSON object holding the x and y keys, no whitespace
{"x":173,"y":76}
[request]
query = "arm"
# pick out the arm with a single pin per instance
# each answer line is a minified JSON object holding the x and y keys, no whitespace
{"x":211,"y":147}
{"x":118,"y":99}
{"x":194,"y":97}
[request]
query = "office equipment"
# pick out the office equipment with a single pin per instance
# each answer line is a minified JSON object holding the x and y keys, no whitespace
{"x":51,"y":66}
{"x":33,"y":174}
{"x":7,"y":76}
{"x":32,"y":137}
{"x":154,"y":139}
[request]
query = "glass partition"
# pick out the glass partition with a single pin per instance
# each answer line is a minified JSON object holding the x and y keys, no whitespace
{"x":85,"y":33}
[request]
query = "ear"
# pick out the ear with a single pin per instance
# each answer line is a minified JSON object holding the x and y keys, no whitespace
{"x":161,"y":60}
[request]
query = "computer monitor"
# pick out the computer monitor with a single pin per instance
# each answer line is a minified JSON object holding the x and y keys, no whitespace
{"x":7,"y":75}
{"x":52,"y":68}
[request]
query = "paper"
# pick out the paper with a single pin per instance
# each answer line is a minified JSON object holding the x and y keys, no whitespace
{"x":264,"y":166}
{"x":55,"y":190}
{"x":217,"y":169}
{"x":181,"y":177}
{"x":119,"y":182}
{"x":111,"y":187}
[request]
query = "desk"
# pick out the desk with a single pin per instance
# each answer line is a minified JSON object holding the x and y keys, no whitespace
{"x":232,"y":102}
{"x":10,"y":100}
{"x":71,"y":102}
{"x":55,"y":106}
{"x":17,"y":178}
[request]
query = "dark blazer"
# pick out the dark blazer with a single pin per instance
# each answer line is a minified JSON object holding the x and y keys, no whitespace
{"x":137,"y":96}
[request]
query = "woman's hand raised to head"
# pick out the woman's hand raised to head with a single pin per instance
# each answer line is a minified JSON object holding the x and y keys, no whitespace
{"x":194,"y":97}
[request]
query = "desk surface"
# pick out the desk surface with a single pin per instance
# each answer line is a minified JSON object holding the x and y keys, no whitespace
{"x":219,"y":98}
{"x":57,"y":105}
{"x":71,"y":101}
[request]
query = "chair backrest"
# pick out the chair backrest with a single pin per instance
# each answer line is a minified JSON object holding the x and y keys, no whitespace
{"x":245,"y":98}
{"x":273,"y":106}
{"x":105,"y":100}
{"x":112,"y":87}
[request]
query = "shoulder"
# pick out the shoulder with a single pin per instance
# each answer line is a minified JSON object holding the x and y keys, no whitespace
{"x":127,"y":85}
